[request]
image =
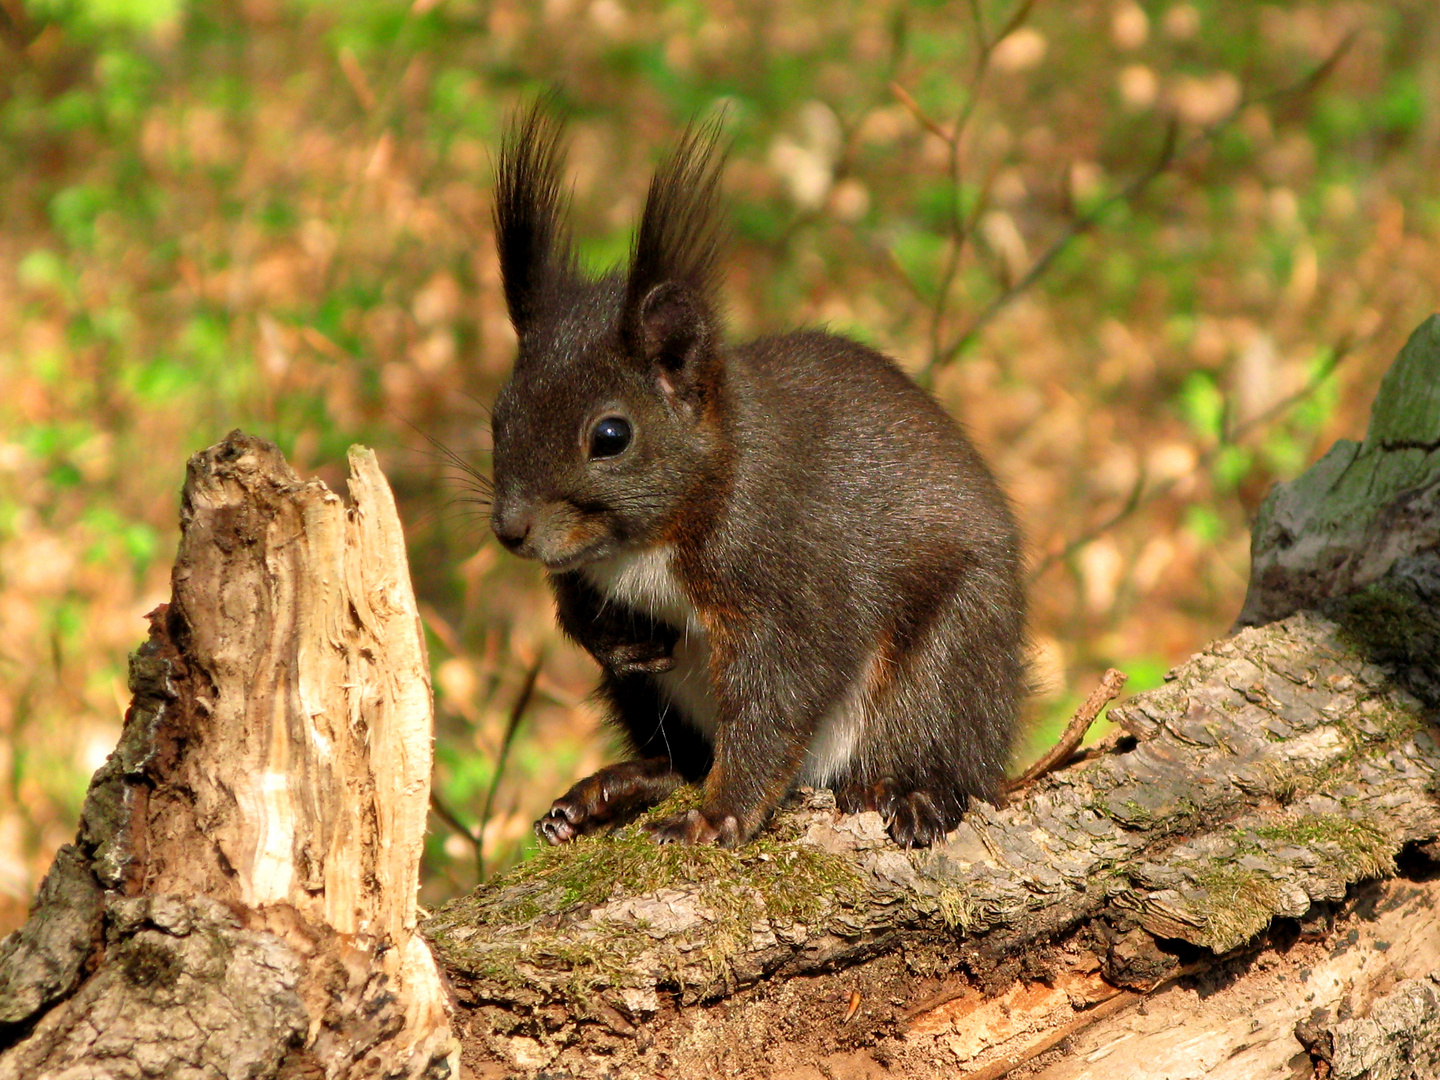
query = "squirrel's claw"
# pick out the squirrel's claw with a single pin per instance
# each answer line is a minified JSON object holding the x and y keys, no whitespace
{"x":555,"y":827}
{"x":698,"y":827}
{"x":912,"y":819}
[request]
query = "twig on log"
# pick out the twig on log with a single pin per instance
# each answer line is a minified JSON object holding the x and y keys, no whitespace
{"x":1111,"y":683}
{"x":944,"y":996}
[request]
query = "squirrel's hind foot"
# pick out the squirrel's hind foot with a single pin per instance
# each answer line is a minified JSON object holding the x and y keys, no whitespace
{"x":914,"y":819}
{"x":698,"y":827}
{"x":610,"y":797}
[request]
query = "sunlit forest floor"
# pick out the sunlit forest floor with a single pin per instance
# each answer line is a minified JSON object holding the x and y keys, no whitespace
{"x":1156,"y":256}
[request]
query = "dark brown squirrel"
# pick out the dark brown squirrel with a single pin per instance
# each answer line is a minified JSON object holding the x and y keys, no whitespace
{"x":789,"y":561}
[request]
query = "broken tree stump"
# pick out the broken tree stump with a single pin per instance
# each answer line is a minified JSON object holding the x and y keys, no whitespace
{"x":240,"y":898}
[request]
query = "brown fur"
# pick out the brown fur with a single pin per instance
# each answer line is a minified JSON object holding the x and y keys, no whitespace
{"x":852,"y":563}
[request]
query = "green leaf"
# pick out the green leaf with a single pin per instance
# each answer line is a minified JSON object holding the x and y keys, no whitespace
{"x":1203,"y":523}
{"x":1203,"y":405}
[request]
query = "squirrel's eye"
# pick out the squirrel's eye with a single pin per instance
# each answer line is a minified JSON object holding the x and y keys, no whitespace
{"x":610,"y":437}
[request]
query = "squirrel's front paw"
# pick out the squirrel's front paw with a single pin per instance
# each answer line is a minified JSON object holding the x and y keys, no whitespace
{"x":637,"y":658}
{"x":613,"y":795}
{"x":698,"y":827}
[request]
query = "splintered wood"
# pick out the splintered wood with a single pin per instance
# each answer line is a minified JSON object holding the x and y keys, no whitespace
{"x":257,"y":835}
{"x":313,"y":787}
{"x":1274,"y":1013}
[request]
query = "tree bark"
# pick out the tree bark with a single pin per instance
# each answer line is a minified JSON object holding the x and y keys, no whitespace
{"x":1343,"y":524}
{"x":240,"y":898}
{"x":1245,"y":881}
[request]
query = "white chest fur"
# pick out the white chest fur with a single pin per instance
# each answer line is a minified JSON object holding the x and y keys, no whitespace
{"x":645,"y":581}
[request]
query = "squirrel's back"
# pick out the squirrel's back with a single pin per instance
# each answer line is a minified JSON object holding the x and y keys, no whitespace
{"x":840,"y":453}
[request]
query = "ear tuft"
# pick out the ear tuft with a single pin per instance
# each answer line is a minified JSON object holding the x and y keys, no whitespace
{"x":533,"y":242}
{"x":669,"y":313}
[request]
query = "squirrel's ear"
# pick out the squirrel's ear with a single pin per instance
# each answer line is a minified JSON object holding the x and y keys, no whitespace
{"x":533,"y":242}
{"x":669,"y":314}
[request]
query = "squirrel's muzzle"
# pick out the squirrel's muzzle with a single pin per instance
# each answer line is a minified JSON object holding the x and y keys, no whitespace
{"x":555,"y":532}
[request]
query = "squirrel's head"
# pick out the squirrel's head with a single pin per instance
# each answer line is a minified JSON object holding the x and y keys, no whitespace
{"x":613,"y":414}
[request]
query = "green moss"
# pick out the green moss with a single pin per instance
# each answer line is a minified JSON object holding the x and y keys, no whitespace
{"x":1353,"y":849}
{"x":1378,"y":619}
{"x":958,"y":909}
{"x":1237,"y":905}
{"x":1283,"y":782}
{"x":1239,"y":902}
{"x":1380,"y":724}
{"x":795,"y":882}
{"x":1145,"y":807}
{"x":522,"y":923}
{"x":1391,"y":625}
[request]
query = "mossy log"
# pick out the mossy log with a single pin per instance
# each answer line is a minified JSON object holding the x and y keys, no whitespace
{"x":240,"y":898}
{"x":1266,"y":816}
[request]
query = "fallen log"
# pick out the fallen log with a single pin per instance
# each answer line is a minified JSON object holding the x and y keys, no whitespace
{"x":1275,"y":770}
{"x":1276,"y":798}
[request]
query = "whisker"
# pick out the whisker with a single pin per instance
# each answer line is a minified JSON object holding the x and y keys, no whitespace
{"x":444,"y":454}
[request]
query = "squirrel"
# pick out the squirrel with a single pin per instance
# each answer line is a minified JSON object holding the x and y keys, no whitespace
{"x":789,"y":561}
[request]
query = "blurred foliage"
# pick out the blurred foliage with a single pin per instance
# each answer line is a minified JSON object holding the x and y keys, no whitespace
{"x":273,"y":214}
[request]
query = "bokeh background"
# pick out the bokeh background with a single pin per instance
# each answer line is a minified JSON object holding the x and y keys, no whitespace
{"x":1156,"y":255}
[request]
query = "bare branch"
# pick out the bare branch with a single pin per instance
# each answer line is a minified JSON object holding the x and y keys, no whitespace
{"x":960,"y":226}
{"x":1170,"y":153}
{"x":512,"y":726}
{"x":450,"y":818}
{"x":1078,"y":227}
{"x":1111,"y":683}
{"x":915,"y":110}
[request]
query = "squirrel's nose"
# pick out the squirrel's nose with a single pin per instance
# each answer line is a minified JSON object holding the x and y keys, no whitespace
{"x":512,"y":524}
